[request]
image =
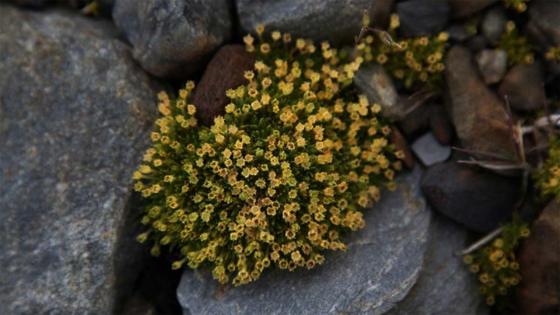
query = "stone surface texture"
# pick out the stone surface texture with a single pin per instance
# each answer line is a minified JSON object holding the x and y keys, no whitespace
{"x":524,"y":87}
{"x":225,"y":71}
{"x":173,"y":38}
{"x":444,"y":276}
{"x":539,"y":258}
{"x":479,"y":116}
{"x":333,"y":20}
{"x":382,"y":263}
{"x":377,"y":85}
{"x":429,"y":150}
{"x":480,"y":200}
{"x":75,"y":112}
{"x":422,"y":17}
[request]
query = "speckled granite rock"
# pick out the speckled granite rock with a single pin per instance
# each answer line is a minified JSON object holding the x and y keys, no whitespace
{"x":333,"y":20}
{"x":444,"y":277}
{"x":75,"y":111}
{"x":173,"y":38}
{"x":381,"y":265}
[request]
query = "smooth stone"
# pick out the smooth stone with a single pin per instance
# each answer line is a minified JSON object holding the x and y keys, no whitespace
{"x":479,"y":116}
{"x":543,"y":23}
{"x":225,"y":71}
{"x":493,"y":24}
{"x":492,"y":64}
{"x":524,"y":87}
{"x":381,"y":265}
{"x":479,"y":200}
{"x":75,"y":117}
{"x":400,"y":143}
{"x":373,"y":81}
{"x":173,"y":38}
{"x":441,"y":125}
{"x":458,"y":32}
{"x":422,"y":17}
{"x":332,"y":20}
{"x":417,"y":122}
{"x":444,"y":276}
{"x":464,"y":8}
{"x":429,"y":150}
{"x":539,"y":258}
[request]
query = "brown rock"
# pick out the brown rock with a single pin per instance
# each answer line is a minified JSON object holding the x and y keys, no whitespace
{"x":478,"y":114}
{"x":524,"y":87}
{"x":225,"y":71}
{"x":417,"y":122}
{"x":400,"y":143}
{"x":440,"y":125}
{"x":463,"y":8}
{"x":539,"y":258}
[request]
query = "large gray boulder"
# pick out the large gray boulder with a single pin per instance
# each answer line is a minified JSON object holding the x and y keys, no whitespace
{"x":75,"y":111}
{"x":382,"y":263}
{"x":444,"y":277}
{"x":333,"y":20}
{"x":173,"y":38}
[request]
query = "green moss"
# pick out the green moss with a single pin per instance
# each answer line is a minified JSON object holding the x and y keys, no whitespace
{"x":547,"y":175}
{"x":496,"y":265}
{"x":279,"y":178}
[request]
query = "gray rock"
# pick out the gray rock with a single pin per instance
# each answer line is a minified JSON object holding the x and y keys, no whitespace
{"x":429,"y":150}
{"x":478,"y":114}
{"x":543,"y":23}
{"x":524,"y":87}
{"x":459,"y":32}
{"x":444,"y":276}
{"x":422,"y":17}
{"x":492,"y":64}
{"x":333,"y":20}
{"x":479,"y":200}
{"x":494,"y":24}
{"x":173,"y":38}
{"x":377,"y":85}
{"x":75,"y":112}
{"x":464,"y":8}
{"x":381,"y":265}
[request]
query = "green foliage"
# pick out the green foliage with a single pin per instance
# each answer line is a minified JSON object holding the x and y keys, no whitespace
{"x":416,"y":62}
{"x":496,"y":265}
{"x":516,"y":46}
{"x":548,"y":175}
{"x":279,"y":178}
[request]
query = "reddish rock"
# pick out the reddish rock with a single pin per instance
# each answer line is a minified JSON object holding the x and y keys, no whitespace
{"x":539,"y":258}
{"x":440,"y":125}
{"x":225,"y":71}
{"x":479,"y":116}
{"x":400,"y":143}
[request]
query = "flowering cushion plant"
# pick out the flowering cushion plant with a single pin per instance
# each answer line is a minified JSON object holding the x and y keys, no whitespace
{"x":280,"y":177}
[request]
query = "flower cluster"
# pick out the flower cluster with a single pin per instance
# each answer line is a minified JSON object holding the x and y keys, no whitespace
{"x":516,"y":46}
{"x":496,"y":265}
{"x":548,"y":175}
{"x":553,"y":54}
{"x":416,"y":62}
{"x":280,"y":177}
{"x":518,"y":5}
